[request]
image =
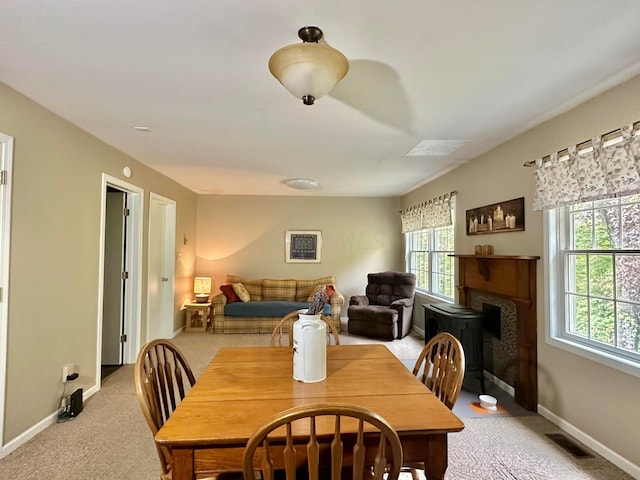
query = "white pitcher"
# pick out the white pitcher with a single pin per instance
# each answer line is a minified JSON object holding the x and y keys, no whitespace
{"x":309,"y":348}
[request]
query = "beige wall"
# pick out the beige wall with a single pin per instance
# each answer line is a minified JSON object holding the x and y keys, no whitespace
{"x":245,"y":236}
{"x":55,"y":232}
{"x":55,"y":239}
{"x":599,"y":401}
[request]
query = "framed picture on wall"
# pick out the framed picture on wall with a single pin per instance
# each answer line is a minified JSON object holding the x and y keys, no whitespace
{"x":506,"y":216}
{"x":303,"y":246}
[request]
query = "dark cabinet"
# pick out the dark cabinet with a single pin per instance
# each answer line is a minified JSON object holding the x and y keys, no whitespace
{"x":466,"y":325}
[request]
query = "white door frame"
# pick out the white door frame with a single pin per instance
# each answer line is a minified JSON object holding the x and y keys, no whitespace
{"x":133,"y":292}
{"x":6,"y":164}
{"x":168,"y":257}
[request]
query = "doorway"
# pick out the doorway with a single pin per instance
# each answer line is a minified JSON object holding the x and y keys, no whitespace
{"x":120,"y":276}
{"x":115,"y":281}
{"x":160,"y":278}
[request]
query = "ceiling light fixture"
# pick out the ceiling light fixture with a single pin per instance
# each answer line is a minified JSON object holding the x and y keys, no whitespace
{"x":302,"y":183}
{"x":309,"y":69}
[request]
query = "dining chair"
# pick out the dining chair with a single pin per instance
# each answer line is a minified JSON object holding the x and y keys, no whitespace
{"x":440,"y":366}
{"x":441,"y":362}
{"x":282,"y":335}
{"x":162,"y":378}
{"x":302,"y":452}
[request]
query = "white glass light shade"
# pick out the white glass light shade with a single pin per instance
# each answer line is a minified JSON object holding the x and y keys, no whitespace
{"x":302,"y":183}
{"x":202,"y":285}
{"x":308,"y":69}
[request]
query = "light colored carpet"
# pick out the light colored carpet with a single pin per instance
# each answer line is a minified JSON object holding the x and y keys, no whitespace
{"x":110,"y":439}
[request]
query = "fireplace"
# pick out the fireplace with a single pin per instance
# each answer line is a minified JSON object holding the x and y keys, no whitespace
{"x":499,"y":342}
{"x":507,"y":282}
{"x":492,"y":320}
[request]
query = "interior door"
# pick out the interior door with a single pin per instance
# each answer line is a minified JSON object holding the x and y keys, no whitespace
{"x":162,"y":234}
{"x":114,"y":283}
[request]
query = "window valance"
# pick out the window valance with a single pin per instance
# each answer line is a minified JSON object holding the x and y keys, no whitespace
{"x":603,"y":167}
{"x":434,"y":213}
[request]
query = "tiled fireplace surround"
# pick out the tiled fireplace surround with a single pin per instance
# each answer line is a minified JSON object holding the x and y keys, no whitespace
{"x":509,"y":283}
{"x":500,"y":353}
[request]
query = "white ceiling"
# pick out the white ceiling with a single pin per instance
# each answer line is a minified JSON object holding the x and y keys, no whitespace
{"x":195,"y":72}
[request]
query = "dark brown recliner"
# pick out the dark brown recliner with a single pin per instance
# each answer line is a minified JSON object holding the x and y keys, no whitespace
{"x":386,"y":309}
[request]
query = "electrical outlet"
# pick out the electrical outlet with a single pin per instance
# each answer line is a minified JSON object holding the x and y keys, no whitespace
{"x":67,"y":370}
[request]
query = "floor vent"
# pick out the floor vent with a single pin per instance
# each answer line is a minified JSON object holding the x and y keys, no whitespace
{"x":569,"y":445}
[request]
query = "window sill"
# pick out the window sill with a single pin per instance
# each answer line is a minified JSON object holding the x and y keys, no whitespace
{"x":440,"y":298}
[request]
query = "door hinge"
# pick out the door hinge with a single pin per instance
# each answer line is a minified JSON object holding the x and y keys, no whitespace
{"x":3,"y":177}
{"x":125,"y":275}
{"x":126,"y":212}
{"x":123,"y":338}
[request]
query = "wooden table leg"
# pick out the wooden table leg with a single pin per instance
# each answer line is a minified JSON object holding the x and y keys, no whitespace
{"x":436,"y":459}
{"x":182,"y":464}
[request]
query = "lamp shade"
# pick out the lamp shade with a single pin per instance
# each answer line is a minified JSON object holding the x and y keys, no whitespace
{"x":308,"y":70}
{"x":202,"y":285}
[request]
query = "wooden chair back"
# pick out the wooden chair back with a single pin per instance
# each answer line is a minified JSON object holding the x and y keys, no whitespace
{"x":443,"y":361}
{"x":162,"y":379}
{"x":282,"y":335}
{"x":303,"y":451}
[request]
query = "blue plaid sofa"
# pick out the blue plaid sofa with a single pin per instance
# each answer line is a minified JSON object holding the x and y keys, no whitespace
{"x":269,"y":301}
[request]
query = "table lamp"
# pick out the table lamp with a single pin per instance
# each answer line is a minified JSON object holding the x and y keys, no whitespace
{"x":202,"y":289}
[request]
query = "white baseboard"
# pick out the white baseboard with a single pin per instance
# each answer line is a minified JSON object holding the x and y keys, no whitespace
{"x":500,"y":383}
{"x":89,"y":392}
{"x":28,"y":434}
{"x":602,"y":450}
{"x":419,"y":331}
{"x":178,"y":332}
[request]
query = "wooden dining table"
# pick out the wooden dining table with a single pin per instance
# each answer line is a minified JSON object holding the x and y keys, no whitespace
{"x":243,"y":387}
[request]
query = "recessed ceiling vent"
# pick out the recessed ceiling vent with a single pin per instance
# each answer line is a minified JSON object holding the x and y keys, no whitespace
{"x":436,"y":148}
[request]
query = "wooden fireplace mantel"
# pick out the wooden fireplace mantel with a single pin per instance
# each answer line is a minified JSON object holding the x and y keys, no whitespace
{"x":514,"y":278}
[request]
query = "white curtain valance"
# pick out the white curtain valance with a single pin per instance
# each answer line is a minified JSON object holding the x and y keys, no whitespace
{"x":602,"y":171}
{"x":431,"y":214}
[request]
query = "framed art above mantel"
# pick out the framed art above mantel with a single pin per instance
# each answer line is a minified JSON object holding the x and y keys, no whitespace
{"x":303,"y":246}
{"x":507,"y":216}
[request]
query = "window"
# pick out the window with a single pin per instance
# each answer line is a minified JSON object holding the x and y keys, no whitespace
{"x":597,"y":254}
{"x":428,"y":259}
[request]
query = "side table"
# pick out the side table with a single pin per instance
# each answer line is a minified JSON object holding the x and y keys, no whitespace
{"x":197,"y":315}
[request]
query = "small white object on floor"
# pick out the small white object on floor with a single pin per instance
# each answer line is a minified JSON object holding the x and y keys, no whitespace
{"x":488,"y":402}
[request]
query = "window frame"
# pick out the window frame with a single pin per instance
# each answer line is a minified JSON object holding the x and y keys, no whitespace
{"x":431,"y":253}
{"x":555,"y":229}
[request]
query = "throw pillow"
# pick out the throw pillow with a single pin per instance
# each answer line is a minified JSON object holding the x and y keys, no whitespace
{"x":241,"y":291}
{"x":230,"y":293}
{"x":330,"y":291}
{"x":314,"y":291}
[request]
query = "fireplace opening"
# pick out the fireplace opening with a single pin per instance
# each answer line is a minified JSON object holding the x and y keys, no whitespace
{"x":492,"y":320}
